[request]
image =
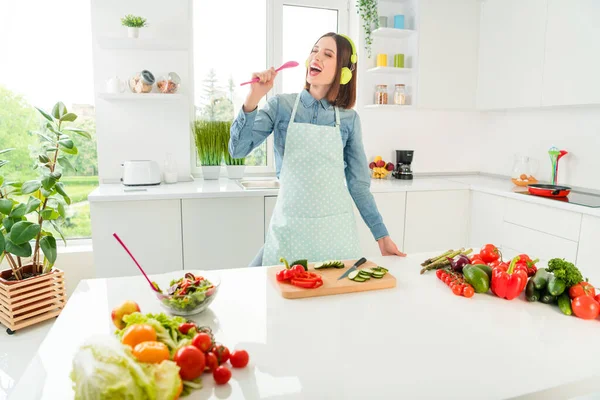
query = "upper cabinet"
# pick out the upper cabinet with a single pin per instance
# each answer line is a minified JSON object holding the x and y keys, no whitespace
{"x":448,"y":37}
{"x":511,"y":53}
{"x":572,"y":53}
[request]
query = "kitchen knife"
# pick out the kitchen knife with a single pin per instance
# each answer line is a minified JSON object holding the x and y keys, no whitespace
{"x":352,"y":268}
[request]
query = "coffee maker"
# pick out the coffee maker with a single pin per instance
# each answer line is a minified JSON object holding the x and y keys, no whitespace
{"x":403,"y":160}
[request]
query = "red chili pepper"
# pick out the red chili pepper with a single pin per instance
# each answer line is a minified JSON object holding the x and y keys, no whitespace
{"x":508,"y":283}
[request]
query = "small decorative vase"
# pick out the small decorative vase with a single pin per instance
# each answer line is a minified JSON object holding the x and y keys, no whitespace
{"x":211,"y":172}
{"x":133,"y":32}
{"x":235,"y":171}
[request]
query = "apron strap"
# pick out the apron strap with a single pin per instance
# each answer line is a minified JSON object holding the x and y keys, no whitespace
{"x":337,"y":117}
{"x":293,"y":117}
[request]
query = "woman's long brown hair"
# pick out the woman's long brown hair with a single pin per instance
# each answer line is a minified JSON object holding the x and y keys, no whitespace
{"x":339,"y":95}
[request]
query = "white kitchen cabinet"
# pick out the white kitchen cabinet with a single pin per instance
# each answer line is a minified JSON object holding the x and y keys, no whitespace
{"x":436,"y":220}
{"x":392,"y":207}
{"x":587,"y":254}
{"x":222,"y":232}
{"x":448,"y":41}
{"x":572,"y":56}
{"x":487,"y":219}
{"x":270,"y":202}
{"x":511,"y":53}
{"x":150,"y":229}
{"x":537,"y":244}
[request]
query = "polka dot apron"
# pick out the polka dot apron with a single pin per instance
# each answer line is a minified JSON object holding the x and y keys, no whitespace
{"x":313,"y":218}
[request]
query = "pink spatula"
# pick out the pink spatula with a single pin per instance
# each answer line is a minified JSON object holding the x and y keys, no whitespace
{"x":289,"y":64}
{"x":135,"y":261}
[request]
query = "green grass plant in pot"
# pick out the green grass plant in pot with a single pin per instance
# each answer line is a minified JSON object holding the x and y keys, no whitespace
{"x":33,"y":212}
{"x":133,"y":24}
{"x":209,"y":147}
{"x":235,"y":166}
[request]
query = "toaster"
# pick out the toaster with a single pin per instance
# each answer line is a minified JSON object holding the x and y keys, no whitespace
{"x":140,"y":173}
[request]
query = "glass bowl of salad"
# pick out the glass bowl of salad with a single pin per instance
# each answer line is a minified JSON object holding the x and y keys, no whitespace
{"x":190,"y":294}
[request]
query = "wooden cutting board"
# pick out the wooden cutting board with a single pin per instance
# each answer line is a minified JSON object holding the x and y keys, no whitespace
{"x":330,"y":283}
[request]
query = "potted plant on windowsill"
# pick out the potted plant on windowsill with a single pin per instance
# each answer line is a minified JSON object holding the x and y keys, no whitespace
{"x":235,"y":166}
{"x":133,"y":24}
{"x":32,"y":289}
{"x":208,"y":145}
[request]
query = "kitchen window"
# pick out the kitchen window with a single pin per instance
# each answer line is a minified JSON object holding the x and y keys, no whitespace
{"x":229,"y":46}
{"x":35,"y":72}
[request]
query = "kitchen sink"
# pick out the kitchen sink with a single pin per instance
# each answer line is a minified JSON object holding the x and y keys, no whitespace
{"x":259,"y":184}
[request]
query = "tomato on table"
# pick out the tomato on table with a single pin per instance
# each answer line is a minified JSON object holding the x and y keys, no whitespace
{"x":221,"y":352}
{"x":202,"y":341}
{"x":489,"y":253}
{"x":239,"y":358}
{"x":211,"y":361}
{"x":191,"y":362}
{"x":468,"y":291}
{"x":585,"y":307}
{"x":186,"y":326}
{"x":582,"y":289}
{"x":222,"y":375}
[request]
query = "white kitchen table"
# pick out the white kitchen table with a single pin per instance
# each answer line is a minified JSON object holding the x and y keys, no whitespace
{"x":417,"y":340}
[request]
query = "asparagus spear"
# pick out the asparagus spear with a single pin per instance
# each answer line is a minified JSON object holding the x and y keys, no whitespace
{"x":444,"y":262}
{"x":436,"y":258}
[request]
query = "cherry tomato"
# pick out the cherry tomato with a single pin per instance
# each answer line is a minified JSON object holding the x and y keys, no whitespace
{"x":186,"y":326}
{"x":439,"y":273}
{"x":222,"y":375}
{"x":585,"y":307}
{"x":447,"y":279}
{"x":202,"y":341}
{"x":191,"y":362}
{"x":582,"y":289}
{"x":221,"y":352}
{"x":138,"y":333}
{"x":457,"y":289}
{"x":151,"y":352}
{"x":468,"y":291}
{"x":280,"y":275}
{"x":239,"y":358}
{"x":211,"y":361}
{"x":489,"y":253}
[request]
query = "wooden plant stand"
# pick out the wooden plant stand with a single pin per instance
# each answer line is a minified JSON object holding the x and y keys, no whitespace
{"x":31,"y":300}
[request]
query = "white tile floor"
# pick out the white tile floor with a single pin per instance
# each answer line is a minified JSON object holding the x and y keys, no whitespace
{"x":17,"y":351}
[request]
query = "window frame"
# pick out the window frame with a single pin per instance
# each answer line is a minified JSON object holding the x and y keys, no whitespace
{"x":274,"y":56}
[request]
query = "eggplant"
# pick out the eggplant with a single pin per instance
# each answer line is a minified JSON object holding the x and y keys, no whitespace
{"x":459,"y":262}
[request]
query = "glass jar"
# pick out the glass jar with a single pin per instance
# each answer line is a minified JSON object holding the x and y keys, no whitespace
{"x":168,"y":83}
{"x":400,"y":94}
{"x":381,"y":94}
{"x":142,"y":82}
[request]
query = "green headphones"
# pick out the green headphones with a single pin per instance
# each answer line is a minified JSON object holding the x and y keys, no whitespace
{"x":346,"y":74}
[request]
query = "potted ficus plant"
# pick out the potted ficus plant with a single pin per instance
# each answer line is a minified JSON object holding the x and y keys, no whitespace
{"x":235,"y":166}
{"x":208,"y":144}
{"x":31,"y":213}
{"x":133,"y":24}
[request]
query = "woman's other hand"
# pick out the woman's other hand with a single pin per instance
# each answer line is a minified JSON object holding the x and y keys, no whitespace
{"x":259,"y":89}
{"x":389,"y":248}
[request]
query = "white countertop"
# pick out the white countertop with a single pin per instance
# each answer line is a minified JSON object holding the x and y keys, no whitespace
{"x":417,"y":340}
{"x":230,"y":188}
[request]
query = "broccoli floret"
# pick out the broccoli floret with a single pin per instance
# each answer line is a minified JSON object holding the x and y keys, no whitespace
{"x":565,"y":270}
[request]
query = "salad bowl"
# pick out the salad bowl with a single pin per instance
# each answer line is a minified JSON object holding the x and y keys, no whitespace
{"x":189,"y":295}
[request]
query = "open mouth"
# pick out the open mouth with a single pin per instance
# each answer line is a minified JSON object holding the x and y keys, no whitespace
{"x":314,"y":70}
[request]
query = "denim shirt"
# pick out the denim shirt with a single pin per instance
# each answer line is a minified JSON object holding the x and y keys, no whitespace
{"x":249,"y":130}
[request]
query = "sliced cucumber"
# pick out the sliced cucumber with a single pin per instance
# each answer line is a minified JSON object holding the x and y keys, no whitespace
{"x":378,"y":274}
{"x":381,"y":269}
{"x":353,"y":275}
{"x":367,"y":271}
{"x":319,"y":265}
{"x":359,"y":279}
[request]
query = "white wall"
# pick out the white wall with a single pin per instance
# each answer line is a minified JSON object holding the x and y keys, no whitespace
{"x":143,"y":129}
{"x":533,"y":132}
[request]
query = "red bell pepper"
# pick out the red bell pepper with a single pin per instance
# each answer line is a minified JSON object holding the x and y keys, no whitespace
{"x":508,"y":283}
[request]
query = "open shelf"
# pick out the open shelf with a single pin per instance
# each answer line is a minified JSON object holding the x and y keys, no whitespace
{"x":124,"y":43}
{"x":393,"y":33}
{"x":390,"y":106}
{"x":140,"y":96}
{"x":389,"y":70}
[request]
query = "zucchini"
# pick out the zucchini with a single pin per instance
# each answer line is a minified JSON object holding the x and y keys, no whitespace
{"x":556,"y":286}
{"x":366,"y":275}
{"x":352,"y":275}
{"x":378,"y":274}
{"x":358,"y":279}
{"x":319,"y":265}
{"x":564,"y":303}
{"x":531,"y":293}
{"x":380,"y":269}
{"x":367,"y":271}
{"x":547,"y":298}
{"x":540,"y":279}
{"x":329,"y":264}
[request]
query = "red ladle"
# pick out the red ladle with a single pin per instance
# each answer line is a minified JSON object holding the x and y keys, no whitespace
{"x":135,"y":261}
